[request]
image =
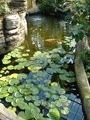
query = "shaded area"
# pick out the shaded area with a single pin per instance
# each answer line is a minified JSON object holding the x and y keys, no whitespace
{"x":82,"y":80}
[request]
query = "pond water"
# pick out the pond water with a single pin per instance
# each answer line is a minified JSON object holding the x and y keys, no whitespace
{"x":43,"y":71}
{"x":44,"y":33}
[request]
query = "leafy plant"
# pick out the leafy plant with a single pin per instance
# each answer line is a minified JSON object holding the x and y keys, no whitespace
{"x":4,"y":8}
{"x":37,"y":93}
{"x":51,"y":6}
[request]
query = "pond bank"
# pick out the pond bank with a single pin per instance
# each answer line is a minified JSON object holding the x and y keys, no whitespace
{"x":6,"y":114}
{"x":82,"y":80}
{"x":13,"y":26}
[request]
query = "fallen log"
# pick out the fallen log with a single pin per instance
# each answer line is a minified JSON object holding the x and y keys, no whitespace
{"x":82,"y":80}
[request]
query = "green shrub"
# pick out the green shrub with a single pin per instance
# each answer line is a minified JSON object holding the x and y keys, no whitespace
{"x":4,"y":8}
{"x":50,"y":6}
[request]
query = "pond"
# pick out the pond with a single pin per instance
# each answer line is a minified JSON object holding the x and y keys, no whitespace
{"x":39,"y":77}
{"x":44,"y":33}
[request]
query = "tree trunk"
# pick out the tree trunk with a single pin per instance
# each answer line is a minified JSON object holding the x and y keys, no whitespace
{"x":82,"y":80}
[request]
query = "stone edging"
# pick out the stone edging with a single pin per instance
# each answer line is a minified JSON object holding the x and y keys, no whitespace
{"x":6,"y":114}
{"x":82,"y":80}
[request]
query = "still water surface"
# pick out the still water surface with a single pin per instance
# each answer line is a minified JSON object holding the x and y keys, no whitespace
{"x":44,"y":33}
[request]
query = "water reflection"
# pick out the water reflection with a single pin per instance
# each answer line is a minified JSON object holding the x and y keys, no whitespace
{"x":44,"y":33}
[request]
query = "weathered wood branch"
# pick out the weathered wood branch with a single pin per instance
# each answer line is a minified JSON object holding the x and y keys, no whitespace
{"x":82,"y":81}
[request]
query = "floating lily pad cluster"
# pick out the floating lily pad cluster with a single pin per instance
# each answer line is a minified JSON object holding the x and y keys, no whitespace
{"x":34,"y":93}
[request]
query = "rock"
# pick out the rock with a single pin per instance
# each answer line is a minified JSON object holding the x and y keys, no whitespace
{"x":12,"y":38}
{"x":2,"y":39}
{"x":12,"y":21}
{"x":13,"y":26}
{"x":6,"y":114}
{"x":13,"y":31}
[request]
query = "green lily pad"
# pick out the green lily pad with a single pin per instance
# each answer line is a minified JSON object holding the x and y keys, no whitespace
{"x":37,"y":103}
{"x":22,"y":105}
{"x":10,"y":67}
{"x":65,"y":111}
{"x":54,"y":114}
{"x":28,"y":98}
{"x":22,"y":114}
{"x":12,"y":89}
{"x":12,"y":108}
{"x":14,"y":82}
{"x":17,"y":94}
{"x":35,"y":91}
{"x":5,"y":61}
{"x":25,"y":91}
{"x":9,"y":98}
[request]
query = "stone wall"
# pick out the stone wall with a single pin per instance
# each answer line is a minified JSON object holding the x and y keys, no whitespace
{"x":13,"y":26}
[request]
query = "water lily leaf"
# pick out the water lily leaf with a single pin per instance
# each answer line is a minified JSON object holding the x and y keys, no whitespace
{"x":25,"y":91}
{"x":55,"y":97}
{"x":60,"y":90}
{"x":12,"y":108}
{"x":58,"y":103}
{"x":35,"y":98}
{"x":34,"y":68}
{"x":10,"y":67}
{"x":44,"y":103}
{"x":28,"y":115}
{"x":63,"y":71}
{"x":47,"y":94}
{"x":25,"y":55}
{"x":21,"y":60}
{"x":22,"y":76}
{"x":65,"y":111}
{"x":4,"y":68}
{"x":37,"y":103}
{"x":5,"y":61}
{"x":22,"y":114}
{"x":22,"y":105}
{"x":17,"y":94}
{"x":35,"y":90}
{"x":21,"y":47}
{"x":28,"y":98}
{"x":0,"y":75}
{"x":29,"y":84}
{"x":27,"y":50}
{"x":54,"y":114}
{"x":5,"y":94}
{"x":19,"y":66}
{"x":63,"y":77}
{"x":14,"y":81}
{"x":1,"y":96}
{"x":7,"y":57}
{"x":4,"y":89}
{"x":54,"y":84}
{"x":14,"y":75}
{"x":63,"y":98}
{"x":9,"y":98}
{"x":2,"y":71}
{"x":20,"y":86}
{"x":12,"y":89}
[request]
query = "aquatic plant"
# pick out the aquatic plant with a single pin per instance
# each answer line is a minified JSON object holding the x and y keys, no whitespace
{"x":26,"y":83}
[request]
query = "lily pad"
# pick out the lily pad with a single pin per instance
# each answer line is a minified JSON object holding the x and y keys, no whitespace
{"x":54,"y":114}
